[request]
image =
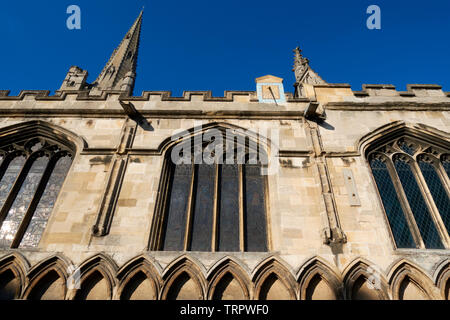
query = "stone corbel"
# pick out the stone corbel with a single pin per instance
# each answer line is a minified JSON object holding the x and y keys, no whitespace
{"x":315,"y":111}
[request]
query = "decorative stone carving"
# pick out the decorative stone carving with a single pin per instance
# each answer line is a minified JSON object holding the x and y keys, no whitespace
{"x":303,"y":73}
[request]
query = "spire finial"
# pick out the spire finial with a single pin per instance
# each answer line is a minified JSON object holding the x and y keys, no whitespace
{"x":303,"y":73}
{"x":299,"y":60}
{"x":120,"y":71}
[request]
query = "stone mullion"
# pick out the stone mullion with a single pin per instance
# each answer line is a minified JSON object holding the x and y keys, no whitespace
{"x":35,"y":201}
{"x":267,"y":213}
{"x":442,"y":175}
{"x":215,"y":227}
{"x":161,"y":203}
{"x":415,"y":232}
{"x":241,"y":208}
{"x":190,"y":209}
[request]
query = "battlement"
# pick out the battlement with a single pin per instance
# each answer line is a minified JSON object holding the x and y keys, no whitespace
{"x":188,"y":96}
{"x":413,"y":90}
{"x":377,"y":96}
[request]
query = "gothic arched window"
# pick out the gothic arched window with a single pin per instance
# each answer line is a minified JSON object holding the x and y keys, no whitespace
{"x":212,"y":207}
{"x":412,"y":179}
{"x":32,"y":171}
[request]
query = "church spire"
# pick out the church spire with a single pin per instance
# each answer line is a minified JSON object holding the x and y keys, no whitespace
{"x":120,"y":71}
{"x":303,"y":73}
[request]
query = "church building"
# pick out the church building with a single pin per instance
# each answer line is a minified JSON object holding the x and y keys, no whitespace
{"x":325,"y":193}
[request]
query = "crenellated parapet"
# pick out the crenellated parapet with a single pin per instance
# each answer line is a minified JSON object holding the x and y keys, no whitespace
{"x":331,"y":93}
{"x":389,"y":90}
{"x":381,"y":97}
{"x":114,"y":95}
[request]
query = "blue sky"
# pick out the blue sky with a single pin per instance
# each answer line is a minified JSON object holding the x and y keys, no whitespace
{"x":225,"y":45}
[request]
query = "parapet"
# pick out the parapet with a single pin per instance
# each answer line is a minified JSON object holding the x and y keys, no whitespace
{"x":389,"y":90}
{"x":188,"y":96}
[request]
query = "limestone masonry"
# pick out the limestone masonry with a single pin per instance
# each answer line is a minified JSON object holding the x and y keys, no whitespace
{"x":330,"y":227}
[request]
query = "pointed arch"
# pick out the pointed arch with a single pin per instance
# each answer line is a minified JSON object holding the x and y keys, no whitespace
{"x":407,"y":165}
{"x":397,"y":129}
{"x":97,"y":278}
{"x":407,"y":281}
{"x":13,"y":270}
{"x":36,"y":156}
{"x":442,"y":278}
{"x":226,"y":197}
{"x":139,"y":279}
{"x":228,"y":278}
{"x":363,"y":280}
{"x":43,"y":129}
{"x":273,"y":280}
{"x":317,"y":280}
{"x":47,"y":280}
{"x":183,"y":279}
{"x":185,"y":135}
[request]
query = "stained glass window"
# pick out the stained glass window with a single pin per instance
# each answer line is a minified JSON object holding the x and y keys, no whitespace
{"x":446,"y":164}
{"x":178,"y":205}
{"x":417,"y":220}
{"x":418,"y":206}
{"x":20,"y":205}
{"x":31,"y":176}
{"x":9,"y":177}
{"x":409,"y":148}
{"x":215,"y":207}
{"x":396,"y":216}
{"x":202,"y":218}
{"x":229,"y":208}
{"x":47,"y":201}
{"x":255,"y":224}
{"x":437,"y":190}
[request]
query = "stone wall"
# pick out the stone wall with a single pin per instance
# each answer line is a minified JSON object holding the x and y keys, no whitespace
{"x":300,"y":256}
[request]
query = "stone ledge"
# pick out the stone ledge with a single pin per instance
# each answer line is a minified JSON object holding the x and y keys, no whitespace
{"x":423,"y":87}
{"x":389,"y":106}
{"x":163,"y":113}
{"x":378,"y":86}
{"x":333,"y":85}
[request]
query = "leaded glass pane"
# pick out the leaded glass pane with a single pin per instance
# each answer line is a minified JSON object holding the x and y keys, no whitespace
{"x":20,"y":205}
{"x":10,"y":176}
{"x":202,"y":221}
{"x":446,"y":164}
{"x":418,"y":206}
{"x":409,"y":148}
{"x":228,"y":230}
{"x":44,"y":208}
{"x":177,"y":208}
{"x":255,"y":213}
{"x":437,"y":190}
{"x":397,"y":220}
